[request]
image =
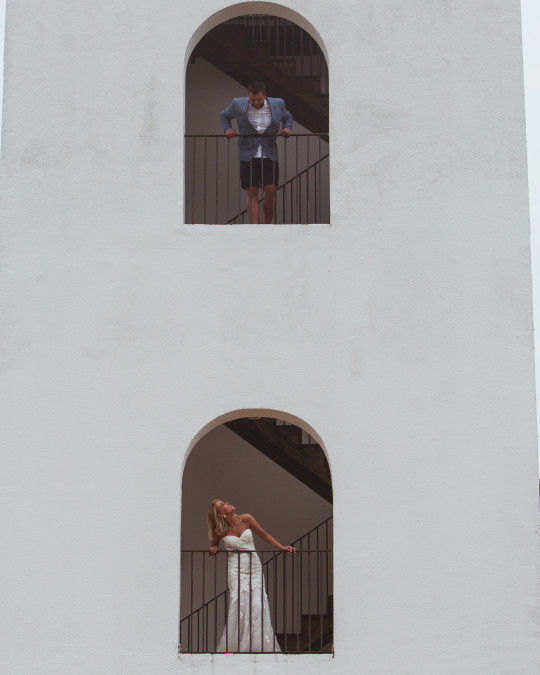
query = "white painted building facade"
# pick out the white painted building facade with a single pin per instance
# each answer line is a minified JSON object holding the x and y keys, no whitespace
{"x":399,"y":335}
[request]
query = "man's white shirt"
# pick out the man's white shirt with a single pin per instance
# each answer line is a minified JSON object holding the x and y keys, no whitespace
{"x":260,"y":119}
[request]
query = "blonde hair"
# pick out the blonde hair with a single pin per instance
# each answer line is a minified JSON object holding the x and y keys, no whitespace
{"x":216,"y":523}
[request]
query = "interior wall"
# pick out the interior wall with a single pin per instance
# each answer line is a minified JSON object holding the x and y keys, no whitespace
{"x":208,"y":92}
{"x":224,"y":466}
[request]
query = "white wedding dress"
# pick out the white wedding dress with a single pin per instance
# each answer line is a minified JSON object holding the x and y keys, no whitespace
{"x":249,"y":626}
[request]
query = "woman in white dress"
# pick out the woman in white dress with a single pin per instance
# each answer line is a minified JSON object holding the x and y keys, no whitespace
{"x":249,"y":626}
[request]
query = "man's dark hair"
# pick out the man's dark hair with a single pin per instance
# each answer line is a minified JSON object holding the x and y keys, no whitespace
{"x":255,"y":87}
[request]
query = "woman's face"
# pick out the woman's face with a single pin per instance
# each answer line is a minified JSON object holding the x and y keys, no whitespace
{"x":224,"y":508}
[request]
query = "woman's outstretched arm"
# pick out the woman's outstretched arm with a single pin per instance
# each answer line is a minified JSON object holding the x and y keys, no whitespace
{"x":255,"y":527}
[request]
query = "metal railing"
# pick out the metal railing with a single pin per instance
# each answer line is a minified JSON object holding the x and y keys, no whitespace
{"x":213,"y":193}
{"x":298,"y":588}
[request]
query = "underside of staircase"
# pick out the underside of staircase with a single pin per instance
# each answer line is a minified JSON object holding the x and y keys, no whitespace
{"x":283,"y":445}
{"x":227,"y":48}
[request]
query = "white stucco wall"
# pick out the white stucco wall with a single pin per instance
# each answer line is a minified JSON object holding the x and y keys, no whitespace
{"x":402,"y":334}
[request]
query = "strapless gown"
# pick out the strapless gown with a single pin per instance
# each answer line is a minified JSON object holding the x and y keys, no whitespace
{"x":249,"y":626}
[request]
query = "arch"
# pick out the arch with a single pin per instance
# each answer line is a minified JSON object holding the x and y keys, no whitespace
{"x":254,"y":412}
{"x":241,"y":453}
{"x":271,"y":8}
{"x":256,"y":42}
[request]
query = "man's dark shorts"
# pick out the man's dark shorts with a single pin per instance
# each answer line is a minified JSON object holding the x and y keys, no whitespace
{"x":263,"y":172}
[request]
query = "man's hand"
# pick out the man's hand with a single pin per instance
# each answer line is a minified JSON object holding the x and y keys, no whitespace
{"x":230,"y":133}
{"x":286,"y":132}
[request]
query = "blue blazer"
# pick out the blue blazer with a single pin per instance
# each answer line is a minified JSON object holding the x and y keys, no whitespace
{"x":238,"y":110}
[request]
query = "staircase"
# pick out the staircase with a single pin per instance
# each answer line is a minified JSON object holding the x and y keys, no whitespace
{"x":285,"y":444}
{"x":315,"y":635}
{"x":278,"y":53}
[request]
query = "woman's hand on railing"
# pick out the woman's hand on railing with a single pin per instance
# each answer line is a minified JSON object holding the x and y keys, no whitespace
{"x":213,"y":550}
{"x":290,"y":549}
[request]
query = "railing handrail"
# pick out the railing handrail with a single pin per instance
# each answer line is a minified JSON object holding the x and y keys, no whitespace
{"x":210,"y":182}
{"x":216,"y":598}
{"x":320,"y":133}
{"x":265,"y":563}
{"x":260,"y":550}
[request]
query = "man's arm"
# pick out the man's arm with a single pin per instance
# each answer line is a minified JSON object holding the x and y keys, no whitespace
{"x":225,"y":117}
{"x":287,"y":121}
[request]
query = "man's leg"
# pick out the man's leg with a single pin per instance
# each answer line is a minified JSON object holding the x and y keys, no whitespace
{"x":270,"y":182}
{"x":269,"y":203}
{"x":252,"y":204}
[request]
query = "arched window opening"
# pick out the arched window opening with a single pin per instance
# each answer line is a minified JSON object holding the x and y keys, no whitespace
{"x":277,"y":472}
{"x":275,"y":51}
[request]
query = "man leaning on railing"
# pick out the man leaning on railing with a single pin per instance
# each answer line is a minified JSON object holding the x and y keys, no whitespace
{"x":259,"y":118}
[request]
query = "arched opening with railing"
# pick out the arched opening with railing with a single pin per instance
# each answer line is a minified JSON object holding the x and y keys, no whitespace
{"x":278,"y":472}
{"x":232,"y":51}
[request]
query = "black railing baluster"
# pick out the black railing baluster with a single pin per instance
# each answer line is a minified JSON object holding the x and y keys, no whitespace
{"x":250,"y":589}
{"x":318,"y":595}
{"x":227,"y":604}
{"x":262,"y":604}
{"x":216,"y":219}
{"x":205,"y":619}
{"x":238,"y":599}
{"x":285,"y":176}
{"x":203,"y":578}
{"x":319,"y":188}
{"x":301,"y":600}
{"x":193,"y":181}
{"x":284,"y":558}
{"x":191,"y":585}
{"x":200,"y":636}
{"x":204,"y":182}
{"x":215,"y":607}
{"x":298,"y":219}
{"x":294,"y":564}
{"x":309,"y":594}
{"x":275,"y":600}
{"x":316,"y":220}
{"x":307,"y":178}
{"x":239,"y":198}
{"x":250,"y":200}
{"x":228,"y":179}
